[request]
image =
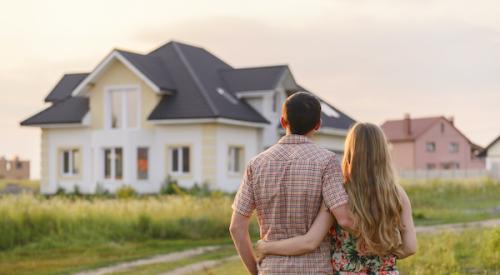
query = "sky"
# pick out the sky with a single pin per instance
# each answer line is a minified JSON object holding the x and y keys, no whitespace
{"x":373,"y":59}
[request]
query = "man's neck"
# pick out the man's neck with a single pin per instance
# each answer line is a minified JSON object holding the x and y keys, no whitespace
{"x":308,"y":135}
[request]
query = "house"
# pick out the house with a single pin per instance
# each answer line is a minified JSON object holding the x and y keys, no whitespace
{"x":492,"y":154}
{"x":430,"y":143}
{"x":177,"y":111}
{"x":14,"y":169}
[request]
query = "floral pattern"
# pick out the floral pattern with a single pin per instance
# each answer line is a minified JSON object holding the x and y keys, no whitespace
{"x":346,"y":260}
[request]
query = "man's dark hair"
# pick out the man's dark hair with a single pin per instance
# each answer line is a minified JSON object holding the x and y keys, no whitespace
{"x":302,"y":111}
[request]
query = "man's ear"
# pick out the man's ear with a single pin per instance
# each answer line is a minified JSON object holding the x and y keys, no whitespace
{"x":318,"y":125}
{"x":284,"y":123}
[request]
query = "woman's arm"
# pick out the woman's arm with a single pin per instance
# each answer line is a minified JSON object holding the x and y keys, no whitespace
{"x":409,"y":235}
{"x":300,"y":244}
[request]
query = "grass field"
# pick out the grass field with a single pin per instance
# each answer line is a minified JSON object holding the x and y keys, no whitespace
{"x":61,"y":234}
{"x":469,"y":252}
{"x":438,"y":202}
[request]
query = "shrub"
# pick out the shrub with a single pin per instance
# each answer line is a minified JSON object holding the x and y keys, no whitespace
{"x":126,"y":192}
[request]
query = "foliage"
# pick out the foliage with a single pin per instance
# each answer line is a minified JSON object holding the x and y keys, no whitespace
{"x":440,"y":201}
{"x":27,"y":219}
{"x":126,"y":192}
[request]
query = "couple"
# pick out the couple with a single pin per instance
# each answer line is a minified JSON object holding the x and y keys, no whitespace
{"x":316,"y":217}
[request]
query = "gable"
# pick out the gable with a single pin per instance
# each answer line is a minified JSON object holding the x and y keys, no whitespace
{"x":133,"y":66}
{"x":119,"y":75}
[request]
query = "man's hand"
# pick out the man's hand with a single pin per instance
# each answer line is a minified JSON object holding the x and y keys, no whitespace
{"x":241,"y":238}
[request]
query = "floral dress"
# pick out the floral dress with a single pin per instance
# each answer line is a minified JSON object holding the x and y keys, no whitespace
{"x":346,"y":260}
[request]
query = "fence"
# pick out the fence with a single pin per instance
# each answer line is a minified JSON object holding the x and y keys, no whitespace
{"x":443,"y":174}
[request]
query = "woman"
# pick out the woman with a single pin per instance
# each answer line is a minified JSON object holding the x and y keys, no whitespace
{"x":380,"y":208}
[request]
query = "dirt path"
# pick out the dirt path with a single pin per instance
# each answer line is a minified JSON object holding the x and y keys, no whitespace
{"x":457,"y":226}
{"x":212,"y":263}
{"x":200,"y":266}
{"x":171,"y":257}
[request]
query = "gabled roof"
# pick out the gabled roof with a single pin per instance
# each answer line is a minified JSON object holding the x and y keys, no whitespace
{"x":68,"y":111}
{"x":395,"y":130}
{"x":153,"y":68}
{"x":253,"y":79}
{"x":65,"y":87}
{"x":485,"y":150}
{"x":193,"y":84}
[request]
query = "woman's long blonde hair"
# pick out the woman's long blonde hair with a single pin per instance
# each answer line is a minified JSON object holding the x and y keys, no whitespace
{"x":373,"y":194}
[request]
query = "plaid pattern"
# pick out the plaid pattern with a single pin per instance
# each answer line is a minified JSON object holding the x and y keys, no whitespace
{"x":286,"y":185}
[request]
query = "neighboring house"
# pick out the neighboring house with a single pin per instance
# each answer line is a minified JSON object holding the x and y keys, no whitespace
{"x":431,"y":143}
{"x":177,"y":111}
{"x":492,"y":154}
{"x":14,"y":169}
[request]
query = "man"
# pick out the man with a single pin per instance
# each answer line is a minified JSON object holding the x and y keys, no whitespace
{"x":286,"y":185}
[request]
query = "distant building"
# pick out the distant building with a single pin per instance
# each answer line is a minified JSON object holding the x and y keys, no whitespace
{"x":492,"y":154}
{"x":14,"y":169}
{"x":431,"y":143}
{"x":178,"y":111}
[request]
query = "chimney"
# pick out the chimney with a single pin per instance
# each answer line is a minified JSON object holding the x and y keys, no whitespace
{"x":451,"y":119}
{"x":407,"y":124}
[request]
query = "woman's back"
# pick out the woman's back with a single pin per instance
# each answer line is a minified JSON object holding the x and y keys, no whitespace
{"x":347,"y":260}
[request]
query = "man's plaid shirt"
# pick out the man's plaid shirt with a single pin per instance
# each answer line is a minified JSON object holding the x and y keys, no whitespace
{"x":286,"y":185}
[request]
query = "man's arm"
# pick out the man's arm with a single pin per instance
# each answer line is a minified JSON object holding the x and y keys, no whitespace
{"x":241,"y":238}
{"x":334,"y":194}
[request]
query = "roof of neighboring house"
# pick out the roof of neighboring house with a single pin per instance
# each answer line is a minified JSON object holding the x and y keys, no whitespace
{"x":70,"y":110}
{"x":201,"y":86}
{"x":395,"y":130}
{"x":485,"y":150}
{"x":65,"y":86}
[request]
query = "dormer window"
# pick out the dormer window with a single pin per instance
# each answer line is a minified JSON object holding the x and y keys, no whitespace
{"x":123,"y":108}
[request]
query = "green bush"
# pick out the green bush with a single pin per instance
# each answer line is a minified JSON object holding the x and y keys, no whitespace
{"x":126,"y":192}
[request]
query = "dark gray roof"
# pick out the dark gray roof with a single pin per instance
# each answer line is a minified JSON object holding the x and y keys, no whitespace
{"x":153,"y":68}
{"x":65,"y":86}
{"x":253,"y":79}
{"x":70,"y":110}
{"x":202,"y":86}
{"x":200,"y":90}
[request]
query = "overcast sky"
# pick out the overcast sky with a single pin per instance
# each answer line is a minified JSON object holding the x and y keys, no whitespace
{"x":375,"y":60}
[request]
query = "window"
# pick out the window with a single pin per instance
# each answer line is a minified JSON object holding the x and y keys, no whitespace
{"x":430,"y":146}
{"x":142,"y":163}
{"x":235,"y":159}
{"x":450,"y":165}
{"x":180,"y":160}
{"x":453,"y":147}
{"x":431,"y":166}
{"x":442,"y":127}
{"x":124,"y":109}
{"x":276,"y":101}
{"x":113,"y":163}
{"x":70,"y":160}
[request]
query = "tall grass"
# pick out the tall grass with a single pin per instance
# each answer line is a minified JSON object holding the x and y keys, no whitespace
{"x":27,"y":218}
{"x":448,"y":201}
{"x":468,"y":252}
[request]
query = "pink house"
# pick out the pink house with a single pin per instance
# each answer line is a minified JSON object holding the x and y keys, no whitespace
{"x":431,"y":143}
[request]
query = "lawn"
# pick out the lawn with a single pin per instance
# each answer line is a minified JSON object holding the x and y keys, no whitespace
{"x":469,"y":252}
{"x":61,"y":234}
{"x":438,"y":202}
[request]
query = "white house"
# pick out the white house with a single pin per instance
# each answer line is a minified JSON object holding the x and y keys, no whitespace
{"x":177,"y":111}
{"x":492,"y":154}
